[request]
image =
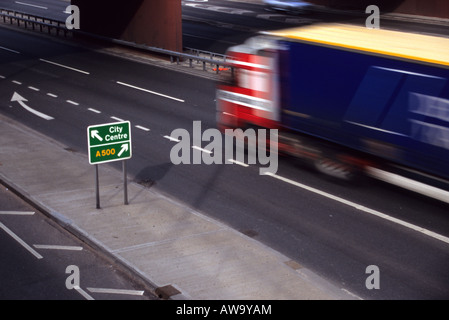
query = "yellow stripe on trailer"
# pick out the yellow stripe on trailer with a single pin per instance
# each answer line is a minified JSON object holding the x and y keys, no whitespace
{"x":404,"y":45}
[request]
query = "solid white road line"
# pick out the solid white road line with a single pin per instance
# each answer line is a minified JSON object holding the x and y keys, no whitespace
{"x":20,"y":213}
{"x":20,"y":241}
{"x":56,"y":247}
{"x":31,"y":5}
{"x":409,"y":184}
{"x":64,"y":66}
{"x":116,"y":291}
{"x":10,"y":50}
{"x":149,"y":91}
{"x":364,"y":209}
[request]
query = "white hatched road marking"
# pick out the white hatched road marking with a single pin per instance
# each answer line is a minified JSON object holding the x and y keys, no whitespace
{"x":20,"y":241}
{"x":19,"y":213}
{"x":83,"y":293}
{"x":57,"y":247}
{"x":116,"y":291}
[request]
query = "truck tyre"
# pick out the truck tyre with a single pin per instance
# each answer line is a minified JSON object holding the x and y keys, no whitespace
{"x":335,"y":169}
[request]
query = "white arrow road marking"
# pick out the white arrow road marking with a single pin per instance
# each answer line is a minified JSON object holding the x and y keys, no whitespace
{"x":94,"y":134}
{"x":17,"y":97}
{"x":125,"y":147}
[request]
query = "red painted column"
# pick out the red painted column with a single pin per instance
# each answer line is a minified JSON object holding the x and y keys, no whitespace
{"x":156,"y":23}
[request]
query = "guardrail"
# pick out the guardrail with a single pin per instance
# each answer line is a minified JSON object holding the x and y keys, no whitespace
{"x":40,"y":23}
{"x":216,"y":61}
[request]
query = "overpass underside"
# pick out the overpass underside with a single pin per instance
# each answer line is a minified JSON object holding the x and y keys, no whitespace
{"x":156,"y":23}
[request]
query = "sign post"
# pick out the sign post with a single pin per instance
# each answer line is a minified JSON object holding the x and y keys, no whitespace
{"x":110,"y":142}
{"x":97,"y":187}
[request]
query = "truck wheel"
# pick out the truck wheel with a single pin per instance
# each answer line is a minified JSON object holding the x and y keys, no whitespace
{"x":335,"y":169}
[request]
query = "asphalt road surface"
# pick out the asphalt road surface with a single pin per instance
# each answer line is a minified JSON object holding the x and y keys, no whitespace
{"x":325,"y":225}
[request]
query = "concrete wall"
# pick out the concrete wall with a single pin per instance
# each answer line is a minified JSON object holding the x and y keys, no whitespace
{"x":156,"y":23}
{"x":430,"y":8}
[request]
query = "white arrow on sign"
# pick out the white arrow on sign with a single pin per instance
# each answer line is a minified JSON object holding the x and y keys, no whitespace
{"x":21,"y":100}
{"x":124,"y":148}
{"x":94,"y":134}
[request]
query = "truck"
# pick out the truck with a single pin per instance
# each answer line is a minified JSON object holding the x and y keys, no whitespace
{"x":347,"y":99}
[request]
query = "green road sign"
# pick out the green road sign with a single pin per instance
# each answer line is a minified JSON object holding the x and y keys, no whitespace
{"x":109,"y":142}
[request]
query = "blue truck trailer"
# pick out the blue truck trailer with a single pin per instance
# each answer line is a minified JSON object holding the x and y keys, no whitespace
{"x":349,"y":99}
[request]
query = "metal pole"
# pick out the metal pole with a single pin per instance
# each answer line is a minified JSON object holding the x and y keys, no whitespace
{"x":97,"y":187}
{"x":125,"y":182}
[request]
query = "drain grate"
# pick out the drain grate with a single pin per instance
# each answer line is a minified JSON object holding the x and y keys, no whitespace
{"x":250,"y":233}
{"x":70,"y":149}
{"x":147,"y":183}
{"x":293,"y":264}
{"x":166,"y":292}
